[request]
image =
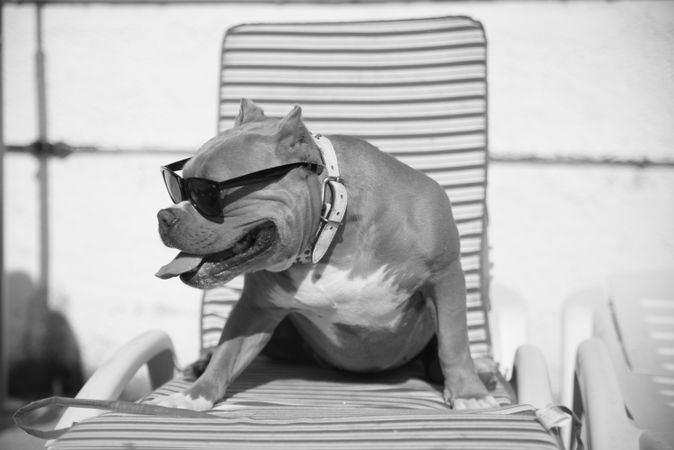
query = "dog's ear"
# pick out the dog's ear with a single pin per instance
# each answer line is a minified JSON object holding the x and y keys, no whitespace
{"x":249,"y":112}
{"x":291,"y":128}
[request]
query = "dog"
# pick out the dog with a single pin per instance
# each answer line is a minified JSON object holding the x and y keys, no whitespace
{"x":345,"y":250}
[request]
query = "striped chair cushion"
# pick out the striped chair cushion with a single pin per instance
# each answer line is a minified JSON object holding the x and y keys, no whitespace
{"x":513,"y":428}
{"x":415,"y":88}
{"x":273,"y":405}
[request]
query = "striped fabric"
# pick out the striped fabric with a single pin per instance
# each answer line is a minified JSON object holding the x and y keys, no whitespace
{"x":513,"y":428}
{"x":273,"y":405}
{"x":415,"y":88}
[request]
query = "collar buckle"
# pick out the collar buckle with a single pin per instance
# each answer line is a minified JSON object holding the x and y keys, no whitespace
{"x":333,"y":208}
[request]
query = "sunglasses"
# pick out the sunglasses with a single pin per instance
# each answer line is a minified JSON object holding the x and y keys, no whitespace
{"x":207,"y":196}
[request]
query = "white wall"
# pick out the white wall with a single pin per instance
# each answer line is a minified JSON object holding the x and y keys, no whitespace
{"x":571,"y":78}
{"x":565,"y":77}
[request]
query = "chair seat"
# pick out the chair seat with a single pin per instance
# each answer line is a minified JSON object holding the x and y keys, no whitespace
{"x":303,"y":406}
{"x":268,"y":383}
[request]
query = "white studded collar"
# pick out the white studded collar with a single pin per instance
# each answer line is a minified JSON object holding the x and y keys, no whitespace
{"x":333,"y":208}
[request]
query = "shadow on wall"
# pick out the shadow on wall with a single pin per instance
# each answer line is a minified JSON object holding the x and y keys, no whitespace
{"x":43,"y":354}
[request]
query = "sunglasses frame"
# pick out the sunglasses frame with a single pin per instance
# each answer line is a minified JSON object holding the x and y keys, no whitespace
{"x":219,"y":186}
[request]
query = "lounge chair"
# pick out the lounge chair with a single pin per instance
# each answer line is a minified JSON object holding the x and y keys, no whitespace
{"x":416,"y":89}
{"x":624,"y":373}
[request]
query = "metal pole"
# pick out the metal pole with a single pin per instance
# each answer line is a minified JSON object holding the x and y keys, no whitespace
{"x":43,"y":158}
{"x":3,"y":287}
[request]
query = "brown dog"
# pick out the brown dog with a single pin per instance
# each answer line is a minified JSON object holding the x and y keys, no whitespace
{"x":339,"y":242}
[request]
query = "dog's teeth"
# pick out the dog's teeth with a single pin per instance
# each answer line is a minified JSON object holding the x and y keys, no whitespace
{"x":242,"y":245}
{"x":245,"y":242}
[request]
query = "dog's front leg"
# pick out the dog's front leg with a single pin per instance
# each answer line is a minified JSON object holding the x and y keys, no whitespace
{"x":248,"y":329}
{"x":463,"y":388}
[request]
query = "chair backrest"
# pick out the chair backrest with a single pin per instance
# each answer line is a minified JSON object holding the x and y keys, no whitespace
{"x":417,"y":89}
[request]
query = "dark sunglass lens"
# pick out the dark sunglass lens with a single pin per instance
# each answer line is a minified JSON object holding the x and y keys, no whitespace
{"x":172,"y":183}
{"x":266,"y":175}
{"x":205,"y":197}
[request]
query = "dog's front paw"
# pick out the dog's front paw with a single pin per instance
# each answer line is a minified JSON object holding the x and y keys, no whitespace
{"x":466,"y":391}
{"x":474,"y":403}
{"x":182,"y":400}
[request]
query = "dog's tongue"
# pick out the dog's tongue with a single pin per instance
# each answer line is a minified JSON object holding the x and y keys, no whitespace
{"x":182,"y":263}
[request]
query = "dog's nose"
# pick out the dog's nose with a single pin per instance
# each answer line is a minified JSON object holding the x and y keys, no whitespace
{"x":166,"y":218}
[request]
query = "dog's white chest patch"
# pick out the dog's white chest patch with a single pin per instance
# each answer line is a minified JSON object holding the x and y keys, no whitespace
{"x":342,"y":296}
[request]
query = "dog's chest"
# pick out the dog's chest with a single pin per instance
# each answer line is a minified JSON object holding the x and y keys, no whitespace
{"x":346,"y":297}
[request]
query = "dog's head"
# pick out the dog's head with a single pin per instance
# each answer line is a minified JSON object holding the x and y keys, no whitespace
{"x":262,"y":226}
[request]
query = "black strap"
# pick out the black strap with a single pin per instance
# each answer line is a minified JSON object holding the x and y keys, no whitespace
{"x":22,"y":419}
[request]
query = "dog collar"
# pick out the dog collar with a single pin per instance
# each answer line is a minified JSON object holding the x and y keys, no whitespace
{"x":333,"y":200}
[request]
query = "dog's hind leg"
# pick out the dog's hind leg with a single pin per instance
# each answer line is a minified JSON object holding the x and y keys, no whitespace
{"x":195,"y":369}
{"x":286,"y":344}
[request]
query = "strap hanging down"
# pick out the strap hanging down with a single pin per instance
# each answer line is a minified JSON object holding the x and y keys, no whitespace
{"x":22,"y":415}
{"x":555,"y":418}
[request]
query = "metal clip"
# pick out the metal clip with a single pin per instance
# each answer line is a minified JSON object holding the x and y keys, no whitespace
{"x":328,"y":207}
